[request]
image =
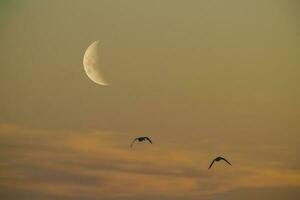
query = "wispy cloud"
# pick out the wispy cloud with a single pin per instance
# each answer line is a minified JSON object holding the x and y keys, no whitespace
{"x":92,"y":164}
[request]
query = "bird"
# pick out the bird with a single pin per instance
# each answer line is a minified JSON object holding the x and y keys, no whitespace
{"x":141,"y":139}
{"x":219,"y":159}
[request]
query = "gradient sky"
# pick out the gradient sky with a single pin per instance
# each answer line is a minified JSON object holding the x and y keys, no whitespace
{"x":202,"y":78}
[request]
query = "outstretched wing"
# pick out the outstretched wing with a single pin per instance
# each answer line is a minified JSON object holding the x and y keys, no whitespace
{"x":133,"y":142}
{"x":148,"y":139}
{"x":212,"y":163}
{"x":226,"y":161}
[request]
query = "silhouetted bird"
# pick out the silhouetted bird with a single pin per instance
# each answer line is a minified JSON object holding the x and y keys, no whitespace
{"x":218,"y":159}
{"x":141,"y":139}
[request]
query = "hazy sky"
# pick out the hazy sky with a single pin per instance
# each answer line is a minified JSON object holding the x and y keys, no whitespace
{"x":202,"y":78}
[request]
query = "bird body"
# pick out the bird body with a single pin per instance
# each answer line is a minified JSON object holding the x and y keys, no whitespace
{"x":141,"y":139}
{"x":218,"y":159}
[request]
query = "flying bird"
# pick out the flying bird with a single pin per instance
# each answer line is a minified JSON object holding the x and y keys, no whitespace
{"x":218,"y":159}
{"x":141,"y":139}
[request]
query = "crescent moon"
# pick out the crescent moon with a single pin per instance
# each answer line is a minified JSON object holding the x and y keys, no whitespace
{"x":91,"y":63}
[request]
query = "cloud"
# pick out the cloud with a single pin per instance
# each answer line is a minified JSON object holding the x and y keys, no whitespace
{"x":53,"y":164}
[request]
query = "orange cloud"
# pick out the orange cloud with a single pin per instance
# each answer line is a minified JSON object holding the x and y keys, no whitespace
{"x":94,"y":163}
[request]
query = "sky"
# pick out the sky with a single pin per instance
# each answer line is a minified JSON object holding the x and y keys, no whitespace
{"x":201,"y":78}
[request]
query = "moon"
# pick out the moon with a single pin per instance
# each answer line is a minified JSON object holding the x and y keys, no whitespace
{"x":91,"y":63}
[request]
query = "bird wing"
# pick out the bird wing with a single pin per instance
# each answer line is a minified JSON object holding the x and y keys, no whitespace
{"x":212,"y":163}
{"x":148,"y":139}
{"x":226,"y":161}
{"x":133,"y":142}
